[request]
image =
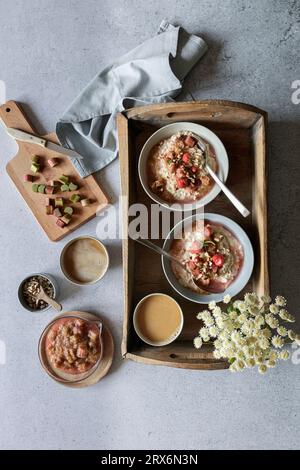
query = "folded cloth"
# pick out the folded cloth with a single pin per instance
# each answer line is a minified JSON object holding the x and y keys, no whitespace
{"x":151,"y":73}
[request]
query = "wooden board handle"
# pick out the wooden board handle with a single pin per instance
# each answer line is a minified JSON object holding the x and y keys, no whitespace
{"x":13,"y":116}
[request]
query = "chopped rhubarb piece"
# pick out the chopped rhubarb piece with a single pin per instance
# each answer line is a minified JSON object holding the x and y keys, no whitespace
{"x":59,"y":202}
{"x":35,"y":167}
{"x":75,"y":198}
{"x":35,"y":187}
{"x":73,"y":187}
{"x":186,"y":157}
{"x":68,"y":210}
{"x":60,"y":223}
{"x":57,"y":212}
{"x":28,"y":178}
{"x":64,"y":179}
{"x":64,"y":187}
{"x":190,"y":141}
{"x":49,"y":189}
{"x":49,"y":210}
{"x":41,"y":188}
{"x":52,"y":162}
{"x":35,"y":158}
{"x":85,"y":202}
{"x":66,"y":219}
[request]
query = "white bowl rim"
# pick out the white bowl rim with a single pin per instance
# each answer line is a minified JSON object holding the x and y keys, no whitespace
{"x":141,"y":336}
{"x":221,"y":155}
{"x":243,"y":277}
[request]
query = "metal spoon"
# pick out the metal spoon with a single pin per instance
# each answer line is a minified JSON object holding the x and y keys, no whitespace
{"x":41,"y":295}
{"x":162,"y":252}
{"x":235,"y":201}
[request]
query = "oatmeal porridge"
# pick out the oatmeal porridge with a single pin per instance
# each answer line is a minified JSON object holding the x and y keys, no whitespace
{"x":176,"y":169}
{"x":211,"y":253}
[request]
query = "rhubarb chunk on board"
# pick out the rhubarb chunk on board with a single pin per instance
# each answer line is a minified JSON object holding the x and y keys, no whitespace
{"x":52,"y":162}
{"x":75,"y":198}
{"x":60,"y":223}
{"x":27,"y":178}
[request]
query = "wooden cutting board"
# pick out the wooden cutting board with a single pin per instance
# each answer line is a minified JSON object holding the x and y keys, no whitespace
{"x":13,"y":116}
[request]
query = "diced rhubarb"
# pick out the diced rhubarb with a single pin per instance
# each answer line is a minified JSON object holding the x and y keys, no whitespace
{"x":68,"y":210}
{"x":41,"y":188}
{"x":35,"y":158}
{"x":28,"y":178}
{"x":57,"y":212}
{"x":35,"y":187}
{"x":60,"y":223}
{"x":182,"y":182}
{"x":49,"y":189}
{"x":35,"y":167}
{"x":49,"y":210}
{"x":186,"y":157}
{"x":64,"y":179}
{"x":190,"y":141}
{"x":66,"y":219}
{"x":73,"y":186}
{"x":52,"y":162}
{"x":59,"y":202}
{"x":75,"y":198}
{"x":85,"y":202}
{"x":64,"y":187}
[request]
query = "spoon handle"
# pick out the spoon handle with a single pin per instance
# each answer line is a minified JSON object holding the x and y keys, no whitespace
{"x":51,"y":302}
{"x":158,"y":250}
{"x":235,"y":201}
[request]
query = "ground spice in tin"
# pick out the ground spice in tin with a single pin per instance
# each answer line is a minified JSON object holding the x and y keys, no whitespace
{"x":31,"y":288}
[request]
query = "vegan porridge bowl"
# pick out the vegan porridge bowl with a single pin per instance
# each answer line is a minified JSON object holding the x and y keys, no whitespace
{"x":217,"y":256}
{"x":172,"y":166}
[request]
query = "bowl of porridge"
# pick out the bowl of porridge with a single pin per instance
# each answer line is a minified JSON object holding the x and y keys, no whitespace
{"x":217,"y":256}
{"x":172,"y":166}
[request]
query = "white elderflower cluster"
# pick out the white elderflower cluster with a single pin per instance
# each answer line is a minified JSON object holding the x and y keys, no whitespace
{"x":248,"y":332}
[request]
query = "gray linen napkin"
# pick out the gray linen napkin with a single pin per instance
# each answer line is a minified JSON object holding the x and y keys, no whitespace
{"x":151,"y":73}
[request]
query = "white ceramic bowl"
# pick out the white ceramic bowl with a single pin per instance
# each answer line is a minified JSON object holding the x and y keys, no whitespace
{"x":166,"y":132}
{"x":241,"y":280}
{"x":140,"y":334}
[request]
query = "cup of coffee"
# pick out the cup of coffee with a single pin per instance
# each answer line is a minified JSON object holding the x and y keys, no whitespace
{"x":84,"y":260}
{"x":158,"y":319}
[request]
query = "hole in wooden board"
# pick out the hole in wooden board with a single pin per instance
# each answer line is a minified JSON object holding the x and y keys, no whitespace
{"x":7,"y":110}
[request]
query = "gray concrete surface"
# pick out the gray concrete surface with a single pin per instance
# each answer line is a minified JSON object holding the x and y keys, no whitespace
{"x":49,"y":50}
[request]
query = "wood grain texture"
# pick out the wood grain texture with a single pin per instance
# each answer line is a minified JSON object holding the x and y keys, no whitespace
{"x":13,"y":116}
{"x":242,"y":129}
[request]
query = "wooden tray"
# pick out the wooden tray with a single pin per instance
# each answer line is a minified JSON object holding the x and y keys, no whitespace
{"x":13,"y":116}
{"x":242,"y":129}
{"x":107,"y":357}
